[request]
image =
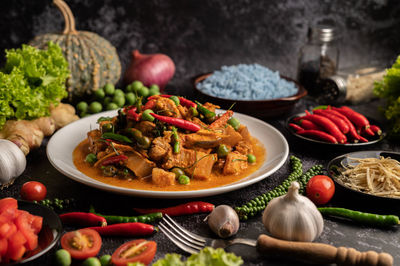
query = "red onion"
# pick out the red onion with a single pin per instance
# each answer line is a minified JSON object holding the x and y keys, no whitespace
{"x":150,"y":69}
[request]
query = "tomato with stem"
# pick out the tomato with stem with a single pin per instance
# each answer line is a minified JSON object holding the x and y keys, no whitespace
{"x":139,"y":250}
{"x":82,"y":243}
{"x":320,"y":189}
{"x":33,"y":190}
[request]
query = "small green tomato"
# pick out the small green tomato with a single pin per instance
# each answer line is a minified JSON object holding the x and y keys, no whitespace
{"x":82,"y":107}
{"x":143,"y":91}
{"x":109,"y":89}
{"x":95,"y":107}
{"x":111,"y":106}
{"x":119,"y":100}
{"x":99,"y":94}
{"x":130,"y":98}
{"x":136,"y":85}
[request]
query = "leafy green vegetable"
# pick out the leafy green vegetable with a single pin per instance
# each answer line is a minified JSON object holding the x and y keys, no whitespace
{"x":31,"y":81}
{"x":389,"y":89}
{"x":206,"y":257}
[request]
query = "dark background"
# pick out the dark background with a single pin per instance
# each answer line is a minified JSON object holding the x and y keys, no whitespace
{"x":201,"y":36}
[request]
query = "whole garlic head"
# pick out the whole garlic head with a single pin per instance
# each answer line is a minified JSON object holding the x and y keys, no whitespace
{"x":12,"y":162}
{"x":293,"y":217}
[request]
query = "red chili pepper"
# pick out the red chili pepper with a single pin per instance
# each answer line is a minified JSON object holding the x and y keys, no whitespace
{"x":149,"y":105}
{"x":342,"y":125}
{"x":307,"y":124}
{"x":114,"y":159}
{"x":83,"y":219}
{"x":328,"y":126}
{"x":317,"y":134}
{"x":222,"y":120}
{"x":362,"y":139}
{"x":352,"y":130}
{"x":366,"y":132}
{"x":126,"y":229}
{"x":376,"y":129}
{"x":132,"y":115}
{"x":178,"y":122}
{"x":358,"y":119}
{"x":295,"y":127}
{"x":182,"y":209}
{"x":183,"y":101}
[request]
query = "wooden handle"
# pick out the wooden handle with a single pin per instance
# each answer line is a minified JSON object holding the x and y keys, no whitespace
{"x":321,"y":253}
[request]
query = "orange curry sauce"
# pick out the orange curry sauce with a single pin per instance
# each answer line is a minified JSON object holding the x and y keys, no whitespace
{"x":215,"y":179}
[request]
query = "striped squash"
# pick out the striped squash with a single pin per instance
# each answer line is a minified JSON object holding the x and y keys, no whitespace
{"x":93,"y":61}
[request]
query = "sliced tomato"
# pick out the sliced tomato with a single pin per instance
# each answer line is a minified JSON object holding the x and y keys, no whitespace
{"x":82,"y":243}
{"x":7,"y":230}
{"x":16,"y":248}
{"x":23,"y":224}
{"x":139,"y":250}
{"x":3,"y":247}
{"x":37,"y":224}
{"x":8,"y":203}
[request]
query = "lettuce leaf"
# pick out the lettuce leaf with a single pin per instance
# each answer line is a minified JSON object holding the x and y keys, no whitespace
{"x":389,"y":89}
{"x":31,"y":81}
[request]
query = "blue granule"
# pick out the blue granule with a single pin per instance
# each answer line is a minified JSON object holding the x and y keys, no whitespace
{"x":247,"y":82}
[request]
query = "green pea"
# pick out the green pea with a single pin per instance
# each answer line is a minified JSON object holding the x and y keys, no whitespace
{"x":136,"y":85}
{"x":105,"y":260}
{"x":95,"y":107}
{"x":82,"y":107}
{"x":222,"y":151}
{"x":130,"y":98}
{"x":99,"y":94}
{"x":146,"y":116}
{"x":119,"y":92}
{"x":112,"y":106}
{"x":184,"y":180}
{"x":175,"y":99}
{"x":143,"y":91}
{"x":107,"y":127}
{"x":251,"y":158}
{"x":91,"y":158}
{"x":62,"y":257}
{"x":234,"y":123}
{"x":109,"y":89}
{"x":153,"y":92}
{"x":91,"y":262}
{"x":144,"y":142}
{"x":177,"y":171}
{"x":119,"y":100}
{"x":155,"y":87}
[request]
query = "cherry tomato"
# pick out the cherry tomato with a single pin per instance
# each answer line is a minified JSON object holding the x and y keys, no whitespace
{"x":320,"y":189}
{"x":82,"y":243}
{"x":33,"y":190}
{"x":139,"y":250}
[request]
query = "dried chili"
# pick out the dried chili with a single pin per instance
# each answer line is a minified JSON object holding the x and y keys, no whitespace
{"x":83,"y":219}
{"x":126,"y":229}
{"x":182,"y":209}
{"x":178,"y":122}
{"x":114,"y":159}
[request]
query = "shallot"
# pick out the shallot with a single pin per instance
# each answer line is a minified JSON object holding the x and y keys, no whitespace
{"x":150,"y":69}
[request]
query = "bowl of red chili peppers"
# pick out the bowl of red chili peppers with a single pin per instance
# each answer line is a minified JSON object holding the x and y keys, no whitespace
{"x":335,"y":126}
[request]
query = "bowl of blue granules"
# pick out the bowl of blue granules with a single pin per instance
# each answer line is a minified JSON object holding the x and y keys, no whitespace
{"x":252,"y":89}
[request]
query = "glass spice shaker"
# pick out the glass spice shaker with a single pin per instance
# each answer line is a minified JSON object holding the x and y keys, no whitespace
{"x":318,"y":58}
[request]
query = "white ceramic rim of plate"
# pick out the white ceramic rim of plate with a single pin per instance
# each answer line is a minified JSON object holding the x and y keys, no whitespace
{"x":277,"y":152}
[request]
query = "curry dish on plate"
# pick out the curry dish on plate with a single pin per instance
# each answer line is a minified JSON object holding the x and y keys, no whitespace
{"x":169,"y":143}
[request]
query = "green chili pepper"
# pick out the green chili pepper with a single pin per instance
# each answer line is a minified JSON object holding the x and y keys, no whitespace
{"x":146,"y":116}
{"x":207,"y":113}
{"x":114,"y":219}
{"x":175,"y":99}
{"x":117,"y":137}
{"x":234,"y":123}
{"x":104,"y":118}
{"x":361,"y":217}
{"x":175,"y":138}
{"x":193,"y":111}
{"x":107,"y":127}
{"x":91,"y":158}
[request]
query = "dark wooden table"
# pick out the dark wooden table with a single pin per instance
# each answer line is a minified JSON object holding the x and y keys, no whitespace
{"x":335,"y":232}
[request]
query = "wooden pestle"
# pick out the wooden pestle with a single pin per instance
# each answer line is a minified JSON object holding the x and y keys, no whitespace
{"x":321,"y":253}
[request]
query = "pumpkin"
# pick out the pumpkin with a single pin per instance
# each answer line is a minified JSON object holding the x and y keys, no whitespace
{"x":93,"y":61}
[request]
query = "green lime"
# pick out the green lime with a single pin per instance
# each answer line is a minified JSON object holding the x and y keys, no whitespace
{"x":118,"y":92}
{"x":91,"y":262}
{"x":82,"y":107}
{"x":136,"y":85}
{"x":119,"y":100}
{"x":111,"y":106}
{"x":95,"y":107}
{"x":143,"y":91}
{"x":109,"y":89}
{"x":105,"y":260}
{"x":62,"y":257}
{"x":130,"y":98}
{"x":99,"y":94}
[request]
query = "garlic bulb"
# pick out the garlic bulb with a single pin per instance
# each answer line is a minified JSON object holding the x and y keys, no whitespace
{"x":12,"y":162}
{"x":293,"y":217}
{"x":223,"y":221}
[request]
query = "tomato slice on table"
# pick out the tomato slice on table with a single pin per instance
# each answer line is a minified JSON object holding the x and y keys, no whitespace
{"x":320,"y":189}
{"x":82,"y":243}
{"x":139,"y":250}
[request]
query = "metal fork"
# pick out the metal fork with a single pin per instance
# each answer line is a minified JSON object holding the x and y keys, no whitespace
{"x":305,"y":251}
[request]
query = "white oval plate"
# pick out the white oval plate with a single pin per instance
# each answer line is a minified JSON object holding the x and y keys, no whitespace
{"x":63,"y":142}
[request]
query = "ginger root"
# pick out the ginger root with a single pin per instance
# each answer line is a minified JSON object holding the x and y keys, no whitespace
{"x":29,"y":134}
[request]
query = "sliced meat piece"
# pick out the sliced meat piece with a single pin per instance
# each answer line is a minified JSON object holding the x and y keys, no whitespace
{"x":210,"y":106}
{"x":203,"y":139}
{"x":167,"y":107}
{"x":146,"y":127}
{"x":160,"y":147}
{"x":95,"y":145}
{"x":184,"y":112}
{"x":244,"y":147}
{"x":235,"y":163}
{"x":231,"y":136}
{"x":162,"y":178}
{"x":139,"y":165}
{"x":244,"y":131}
{"x":183,"y":159}
{"x":202,"y":166}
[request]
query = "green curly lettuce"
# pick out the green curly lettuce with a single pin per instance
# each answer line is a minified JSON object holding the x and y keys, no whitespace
{"x":389,"y":89}
{"x":31,"y":81}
